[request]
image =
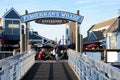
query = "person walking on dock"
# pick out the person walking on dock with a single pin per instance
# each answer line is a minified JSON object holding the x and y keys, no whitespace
{"x":57,"y":53}
{"x":41,"y":55}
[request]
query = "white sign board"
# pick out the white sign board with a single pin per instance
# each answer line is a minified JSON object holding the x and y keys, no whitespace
{"x":113,"y":57}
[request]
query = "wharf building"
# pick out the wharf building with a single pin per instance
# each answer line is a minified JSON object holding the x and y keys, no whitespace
{"x":10,"y":30}
{"x":104,"y":35}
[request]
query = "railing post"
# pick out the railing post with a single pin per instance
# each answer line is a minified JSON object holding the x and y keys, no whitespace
{"x":81,"y":43}
{"x":105,"y":55}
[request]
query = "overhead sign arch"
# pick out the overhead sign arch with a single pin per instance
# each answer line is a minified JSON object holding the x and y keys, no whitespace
{"x":50,"y":17}
{"x":52,"y":14}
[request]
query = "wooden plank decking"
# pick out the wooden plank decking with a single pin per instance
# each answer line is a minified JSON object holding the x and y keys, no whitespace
{"x":50,"y":70}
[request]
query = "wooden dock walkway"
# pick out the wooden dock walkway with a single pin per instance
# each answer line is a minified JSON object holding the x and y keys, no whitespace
{"x":50,"y":70}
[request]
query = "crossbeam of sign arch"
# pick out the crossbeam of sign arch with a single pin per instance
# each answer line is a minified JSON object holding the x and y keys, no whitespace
{"x":50,"y":14}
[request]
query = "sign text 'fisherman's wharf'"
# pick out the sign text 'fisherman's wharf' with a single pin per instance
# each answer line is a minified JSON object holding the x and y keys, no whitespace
{"x":52,"y":14}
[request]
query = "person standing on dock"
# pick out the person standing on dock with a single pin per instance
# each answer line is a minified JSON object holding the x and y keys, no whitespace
{"x":57,"y":53}
{"x":41,"y":55}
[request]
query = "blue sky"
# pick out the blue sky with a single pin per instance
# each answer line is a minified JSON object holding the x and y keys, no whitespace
{"x":94,"y":11}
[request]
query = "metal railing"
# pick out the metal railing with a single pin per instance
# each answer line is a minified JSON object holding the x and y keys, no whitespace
{"x":15,"y":67}
{"x":4,"y":54}
{"x":87,"y":68}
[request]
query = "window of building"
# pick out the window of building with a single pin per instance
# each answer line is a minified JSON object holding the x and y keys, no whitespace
{"x":7,"y":22}
{"x":12,"y":23}
{"x":12,"y":27}
{"x":113,"y":42}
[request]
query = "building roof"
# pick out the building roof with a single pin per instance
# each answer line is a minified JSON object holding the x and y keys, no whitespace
{"x":17,"y":37}
{"x":97,"y":31}
{"x":115,"y":27}
{"x":102,"y":25}
{"x":35,"y":35}
{"x":96,"y":36}
{"x":12,"y":13}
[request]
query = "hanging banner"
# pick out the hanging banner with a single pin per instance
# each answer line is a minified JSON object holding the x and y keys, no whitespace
{"x":52,"y":21}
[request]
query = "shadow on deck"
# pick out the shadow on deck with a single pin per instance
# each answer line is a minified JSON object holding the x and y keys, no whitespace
{"x":50,"y":70}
